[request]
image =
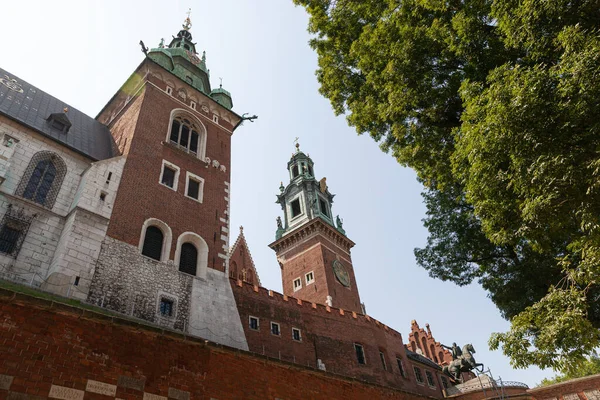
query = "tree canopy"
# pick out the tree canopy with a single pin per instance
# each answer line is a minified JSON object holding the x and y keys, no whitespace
{"x":496,"y":106}
{"x":589,"y":367}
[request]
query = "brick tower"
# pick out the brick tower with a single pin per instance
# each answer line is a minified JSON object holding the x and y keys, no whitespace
{"x":314,"y":253}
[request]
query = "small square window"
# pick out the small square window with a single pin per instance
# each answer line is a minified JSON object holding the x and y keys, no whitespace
{"x":253,"y":323}
{"x":168,"y":177}
{"x":102,"y":196}
{"x":193,"y":105}
{"x":296,"y":335}
{"x":275,"y":329}
{"x":194,"y":187}
{"x":297,"y":284}
{"x":296,"y":209}
{"x":310,"y":277}
{"x":169,"y":90}
{"x":382,"y":358}
{"x":430,"y":381}
{"x":360,"y":353}
{"x":166,"y":307}
{"x":215,"y":119}
{"x":418,"y":375}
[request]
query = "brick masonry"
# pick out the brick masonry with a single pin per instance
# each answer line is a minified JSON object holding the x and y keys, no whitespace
{"x":51,"y":350}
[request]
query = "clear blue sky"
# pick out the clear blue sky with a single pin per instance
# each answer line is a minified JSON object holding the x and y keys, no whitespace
{"x":82,"y":51}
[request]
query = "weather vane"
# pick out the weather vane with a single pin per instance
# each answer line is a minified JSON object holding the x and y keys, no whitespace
{"x":188,"y":22}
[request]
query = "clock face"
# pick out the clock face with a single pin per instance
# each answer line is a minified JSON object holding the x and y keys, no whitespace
{"x":341,"y":273}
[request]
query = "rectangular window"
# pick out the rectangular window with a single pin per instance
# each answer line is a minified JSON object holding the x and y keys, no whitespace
{"x":323,"y":207}
{"x":166,"y":307}
{"x":169,"y":175}
{"x":253,"y":323}
{"x":430,"y":381}
{"x":360,"y":353}
{"x":297,"y":284}
{"x":382,"y":358}
{"x":275,"y":329}
{"x":175,"y":131}
{"x":400,"y":366}
{"x":194,"y":142}
{"x":418,"y":375}
{"x":445,"y":382}
{"x":169,"y":90}
{"x":13,"y":228}
{"x":310,"y":278}
{"x":194,"y":187}
{"x":296,"y":209}
{"x":296,"y":335}
{"x":9,"y":237}
{"x":295,"y":171}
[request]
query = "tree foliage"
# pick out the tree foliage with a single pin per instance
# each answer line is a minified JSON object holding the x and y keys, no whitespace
{"x":590,"y":366}
{"x":496,"y":105}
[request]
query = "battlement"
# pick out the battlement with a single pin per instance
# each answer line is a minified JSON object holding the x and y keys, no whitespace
{"x":325,"y":310}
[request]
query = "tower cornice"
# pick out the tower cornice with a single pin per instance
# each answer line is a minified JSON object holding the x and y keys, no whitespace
{"x":315,"y":226}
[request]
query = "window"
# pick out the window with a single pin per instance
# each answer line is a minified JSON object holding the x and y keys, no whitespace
{"x":253,"y":323}
{"x":430,"y":381}
{"x":296,"y":209}
{"x":323,"y":207}
{"x":166,"y":307}
{"x":275,"y":329}
{"x":297,"y":284}
{"x":169,"y":90}
{"x":382,"y":358}
{"x":445,"y":382}
{"x":360,"y":353}
{"x":169,"y":175}
{"x":185,"y":134}
{"x":9,"y":237}
{"x":295,"y":172}
{"x":194,"y":187}
{"x":102,"y":196}
{"x":13,"y":228}
{"x":296,"y":335}
{"x":310,"y":171}
{"x":42,"y":179}
{"x":400,"y":366}
{"x":418,"y":375}
{"x":193,"y":105}
{"x":215,"y":119}
{"x":188,"y":259}
{"x":310,"y":278}
{"x":153,"y":243}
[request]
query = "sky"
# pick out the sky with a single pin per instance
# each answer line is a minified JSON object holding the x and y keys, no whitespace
{"x":83,"y":51}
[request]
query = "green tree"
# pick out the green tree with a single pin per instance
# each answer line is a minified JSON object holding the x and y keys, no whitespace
{"x":588,"y":367}
{"x":496,"y":106}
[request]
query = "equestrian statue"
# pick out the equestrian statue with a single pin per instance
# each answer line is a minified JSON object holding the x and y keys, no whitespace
{"x":462,"y":361}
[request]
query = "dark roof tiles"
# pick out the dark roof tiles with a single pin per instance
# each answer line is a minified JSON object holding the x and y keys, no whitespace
{"x":31,"y":106}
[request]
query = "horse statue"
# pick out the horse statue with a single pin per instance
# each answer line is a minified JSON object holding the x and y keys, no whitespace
{"x":464,"y":363}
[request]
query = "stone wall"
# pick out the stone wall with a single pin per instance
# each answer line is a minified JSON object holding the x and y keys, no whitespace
{"x":130,"y":283}
{"x":50,"y":350}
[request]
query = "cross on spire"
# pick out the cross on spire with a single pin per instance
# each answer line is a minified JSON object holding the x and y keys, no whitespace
{"x":297,"y":144}
{"x":187,"y":24}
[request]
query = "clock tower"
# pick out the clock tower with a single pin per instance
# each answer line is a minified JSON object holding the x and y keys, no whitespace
{"x":311,"y":246}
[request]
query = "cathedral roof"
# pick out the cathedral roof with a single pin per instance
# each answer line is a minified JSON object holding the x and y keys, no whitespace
{"x":32,"y":107}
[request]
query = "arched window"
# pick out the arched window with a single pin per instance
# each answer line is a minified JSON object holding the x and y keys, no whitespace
{"x":153,"y":243}
{"x":43,"y":178}
{"x":233,"y":270}
{"x":187,"y":134}
{"x":188,"y":259}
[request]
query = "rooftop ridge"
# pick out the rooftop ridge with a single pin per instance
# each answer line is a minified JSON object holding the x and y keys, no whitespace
{"x":241,"y":238}
{"x":339,"y":312}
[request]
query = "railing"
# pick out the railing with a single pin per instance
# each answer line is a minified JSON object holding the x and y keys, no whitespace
{"x":500,"y":382}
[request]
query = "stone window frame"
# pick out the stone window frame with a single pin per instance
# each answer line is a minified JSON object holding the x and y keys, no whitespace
{"x":418,"y":375}
{"x":299,"y":334}
{"x":299,"y":196}
{"x":312,"y":280}
{"x":430,"y":380}
{"x":18,"y":221}
{"x":201,"y":246}
{"x":192,"y":105}
{"x":169,"y":90}
{"x":170,"y":165}
{"x":299,"y":285}
{"x":170,"y":297}
{"x":189,"y":176}
{"x":61,"y":171}
{"x":320,"y":199}
{"x":201,"y":128}
{"x":278,"y":334}
{"x":250,"y":318}
{"x":167,"y":238}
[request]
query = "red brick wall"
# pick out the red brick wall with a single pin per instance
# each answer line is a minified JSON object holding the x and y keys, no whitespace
{"x":241,"y":265}
{"x":45,"y":344}
{"x":327,"y":335}
{"x":573,"y":386}
{"x":140,"y":195}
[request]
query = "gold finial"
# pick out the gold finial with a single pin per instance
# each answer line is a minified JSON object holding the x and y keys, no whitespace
{"x":297,"y":144}
{"x":66,"y":109}
{"x":187,"y":24}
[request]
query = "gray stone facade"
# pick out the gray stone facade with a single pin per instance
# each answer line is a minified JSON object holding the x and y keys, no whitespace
{"x":130,"y":283}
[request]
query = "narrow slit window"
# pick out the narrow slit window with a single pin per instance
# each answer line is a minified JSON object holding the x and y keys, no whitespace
{"x":382,"y":358}
{"x":295,"y":171}
{"x":430,"y":380}
{"x":418,"y":375}
{"x":400,"y":367}
{"x":296,"y":209}
{"x":323,"y":207}
{"x":360,"y":353}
